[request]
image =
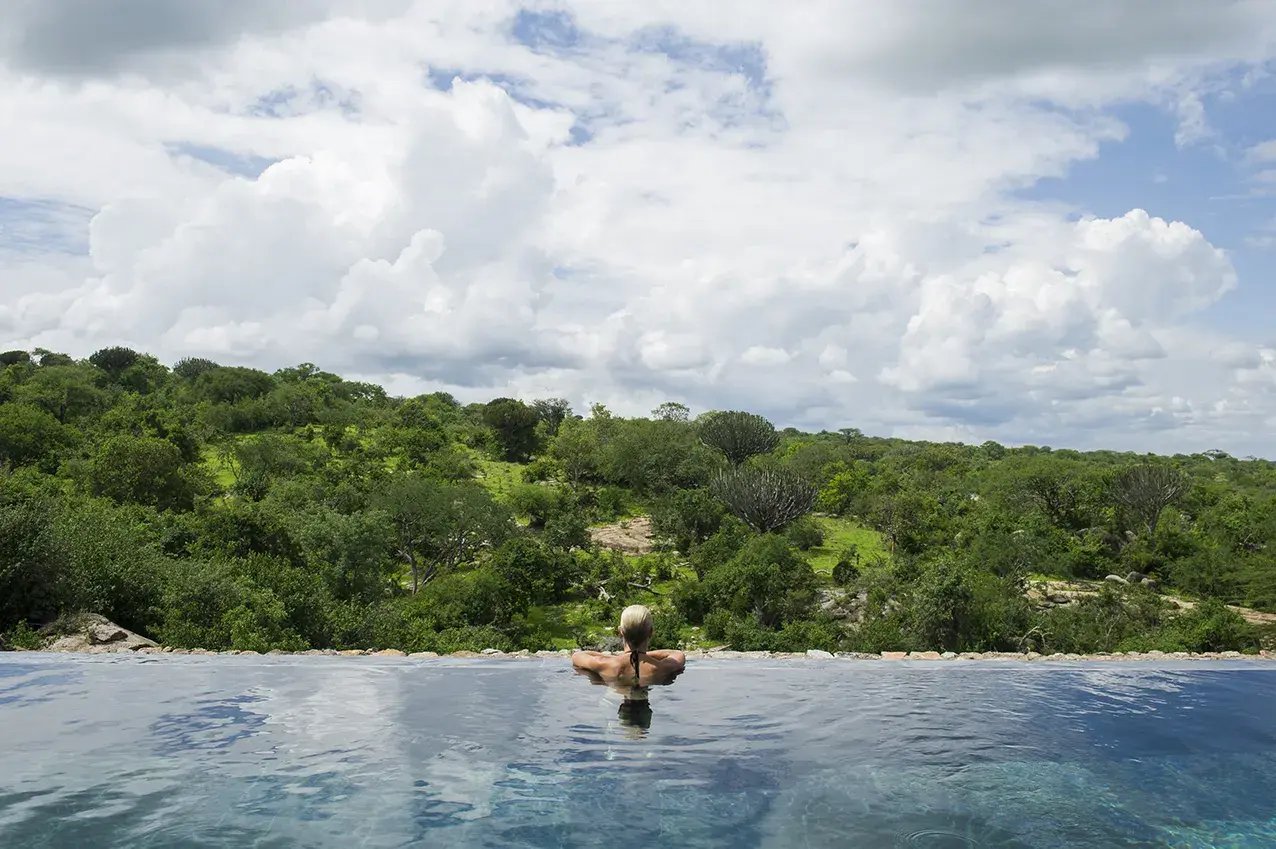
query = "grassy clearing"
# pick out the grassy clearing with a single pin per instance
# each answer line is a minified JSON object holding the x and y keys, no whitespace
{"x":222,"y":472}
{"x":839,"y":536}
{"x":564,"y":621}
{"x":498,"y":477}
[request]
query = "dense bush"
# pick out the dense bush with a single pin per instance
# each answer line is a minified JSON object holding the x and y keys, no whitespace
{"x":143,"y":470}
{"x":36,"y":579}
{"x":224,"y":507}
{"x":765,"y":581}
{"x":535,"y":501}
{"x":805,"y":534}
{"x":30,"y":434}
{"x":944,"y":605}
{"x":687,"y":517}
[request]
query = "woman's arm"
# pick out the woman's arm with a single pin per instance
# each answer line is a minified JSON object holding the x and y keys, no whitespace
{"x":672,"y":657}
{"x":591,"y":660}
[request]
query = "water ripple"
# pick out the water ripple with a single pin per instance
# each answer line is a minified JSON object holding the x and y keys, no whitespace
{"x":231,"y":752}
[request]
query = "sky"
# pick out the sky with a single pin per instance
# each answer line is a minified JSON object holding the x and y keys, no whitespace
{"x":1036,"y":223}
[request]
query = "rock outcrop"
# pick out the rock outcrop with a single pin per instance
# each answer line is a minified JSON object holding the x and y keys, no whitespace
{"x":94,"y":634}
{"x":628,"y":536}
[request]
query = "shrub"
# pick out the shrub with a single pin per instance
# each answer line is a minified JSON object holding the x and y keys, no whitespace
{"x":539,"y":574}
{"x":1212,"y":626}
{"x":805,"y":534}
{"x":692,"y":602}
{"x":847,"y":569}
{"x":541,"y":469}
{"x":765,"y":580}
{"x":22,"y":636}
{"x":451,"y":464}
{"x":481,"y":597}
{"x":747,"y":634}
{"x":142,"y":470}
{"x":35,"y":575}
{"x":567,"y":529}
{"x":1101,"y":622}
{"x":669,"y":626}
{"x":216,"y":606}
{"x":687,"y":517}
{"x":611,"y":502}
{"x":461,"y":638}
{"x":718,"y":623}
{"x":534,"y":501}
{"x":719,"y":548}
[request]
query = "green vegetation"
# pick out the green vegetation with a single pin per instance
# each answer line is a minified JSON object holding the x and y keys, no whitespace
{"x":845,"y":539}
{"x":225,"y":507}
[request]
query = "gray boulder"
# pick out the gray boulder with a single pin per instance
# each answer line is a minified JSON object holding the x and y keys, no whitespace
{"x":94,"y":634}
{"x":1116,"y":579}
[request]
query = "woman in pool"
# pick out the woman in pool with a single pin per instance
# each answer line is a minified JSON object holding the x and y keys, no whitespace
{"x":635,"y":665}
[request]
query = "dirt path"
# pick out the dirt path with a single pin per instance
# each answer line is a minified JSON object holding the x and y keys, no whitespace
{"x":1068,"y":590}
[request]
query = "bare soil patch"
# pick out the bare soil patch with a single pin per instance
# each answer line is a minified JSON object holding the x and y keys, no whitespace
{"x":628,"y":536}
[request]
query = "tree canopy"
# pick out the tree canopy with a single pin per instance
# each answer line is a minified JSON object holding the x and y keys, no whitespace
{"x":228,"y":507}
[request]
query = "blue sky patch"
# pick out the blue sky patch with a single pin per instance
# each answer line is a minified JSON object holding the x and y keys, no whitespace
{"x":547,"y":32}
{"x":1207,"y":184}
{"x":744,"y":59}
{"x":240,"y":164}
{"x":34,"y":227}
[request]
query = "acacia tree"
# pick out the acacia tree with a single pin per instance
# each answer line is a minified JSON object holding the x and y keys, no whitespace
{"x":764,"y":498}
{"x":552,"y":411}
{"x":514,"y":425}
{"x":438,"y":526}
{"x":114,"y":360}
{"x":67,"y":391}
{"x":1144,"y":491}
{"x":672,"y":411}
{"x":232,"y":384}
{"x":738,"y":435}
{"x":190,"y":368}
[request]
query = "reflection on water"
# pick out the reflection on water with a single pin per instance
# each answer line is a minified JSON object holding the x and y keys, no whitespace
{"x":634,"y":711}
{"x":636,"y":714}
{"x":231,"y":752}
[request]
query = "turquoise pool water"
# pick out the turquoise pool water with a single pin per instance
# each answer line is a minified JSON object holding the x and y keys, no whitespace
{"x":101,"y":751}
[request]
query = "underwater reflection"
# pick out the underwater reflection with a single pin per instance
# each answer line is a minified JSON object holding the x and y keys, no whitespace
{"x":634,"y":712}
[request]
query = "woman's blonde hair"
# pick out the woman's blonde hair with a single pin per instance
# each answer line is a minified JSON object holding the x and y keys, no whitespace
{"x":636,"y":626}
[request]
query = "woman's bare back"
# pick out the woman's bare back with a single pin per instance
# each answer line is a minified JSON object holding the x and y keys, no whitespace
{"x":655,"y":668}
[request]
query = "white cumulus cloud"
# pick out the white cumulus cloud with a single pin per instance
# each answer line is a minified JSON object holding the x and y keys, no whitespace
{"x":818,"y":216}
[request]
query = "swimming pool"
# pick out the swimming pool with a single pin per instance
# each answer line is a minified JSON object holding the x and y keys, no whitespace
{"x":109,"y":751}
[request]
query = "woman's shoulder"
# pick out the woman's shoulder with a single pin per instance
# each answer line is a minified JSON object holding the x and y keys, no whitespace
{"x":669,"y":657}
{"x":597,"y":660}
